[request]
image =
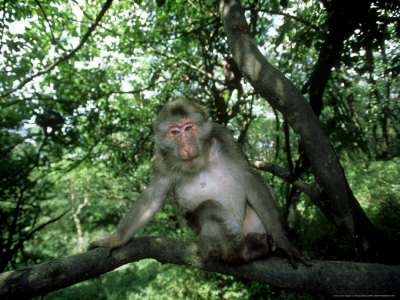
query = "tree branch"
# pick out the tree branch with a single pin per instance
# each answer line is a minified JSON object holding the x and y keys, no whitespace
{"x":275,"y":12}
{"x":47,"y":20}
{"x":40,"y":227}
{"x":281,"y":94}
{"x":197,"y":69}
{"x":310,"y":190}
{"x":66,"y":57}
{"x":326,"y":277}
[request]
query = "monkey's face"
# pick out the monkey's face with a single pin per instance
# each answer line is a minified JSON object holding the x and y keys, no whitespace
{"x":183,"y":145}
{"x":184,"y":136}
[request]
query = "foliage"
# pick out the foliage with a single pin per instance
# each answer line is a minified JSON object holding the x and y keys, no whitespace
{"x":75,"y":138}
{"x":377,"y":188}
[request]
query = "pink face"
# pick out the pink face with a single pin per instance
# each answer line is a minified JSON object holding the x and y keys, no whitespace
{"x":184,"y":135}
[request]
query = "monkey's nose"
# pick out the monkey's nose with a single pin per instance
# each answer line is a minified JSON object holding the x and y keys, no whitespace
{"x":188,"y":152}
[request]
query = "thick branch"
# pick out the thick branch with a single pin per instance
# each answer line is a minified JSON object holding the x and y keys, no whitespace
{"x":283,"y":96}
{"x":322,"y":277}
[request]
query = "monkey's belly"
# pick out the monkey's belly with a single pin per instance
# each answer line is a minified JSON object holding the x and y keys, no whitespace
{"x":216,"y":185}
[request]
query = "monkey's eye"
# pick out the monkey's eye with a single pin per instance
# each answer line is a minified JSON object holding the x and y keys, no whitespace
{"x":174,"y":132}
{"x":188,"y":128}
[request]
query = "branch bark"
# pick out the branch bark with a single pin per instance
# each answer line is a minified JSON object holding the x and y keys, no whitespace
{"x":342,"y":207}
{"x":311,"y":190}
{"x":327,"y":277}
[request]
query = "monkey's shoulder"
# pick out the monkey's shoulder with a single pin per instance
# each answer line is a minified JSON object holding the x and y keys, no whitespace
{"x":220,"y":131}
{"x":223,"y":136}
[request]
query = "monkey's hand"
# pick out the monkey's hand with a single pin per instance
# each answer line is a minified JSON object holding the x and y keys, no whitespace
{"x":110,"y":241}
{"x":283,"y":244}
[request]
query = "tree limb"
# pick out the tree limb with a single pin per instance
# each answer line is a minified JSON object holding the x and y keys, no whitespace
{"x":47,"y":20}
{"x":327,"y":277}
{"x":281,"y":94}
{"x":40,"y":227}
{"x":197,"y":69}
{"x":310,"y":190}
{"x":275,"y":12}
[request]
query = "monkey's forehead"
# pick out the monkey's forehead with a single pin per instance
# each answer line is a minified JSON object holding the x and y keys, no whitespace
{"x":179,"y":120}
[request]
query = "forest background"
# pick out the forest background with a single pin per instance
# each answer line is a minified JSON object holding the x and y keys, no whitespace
{"x":82,"y":81}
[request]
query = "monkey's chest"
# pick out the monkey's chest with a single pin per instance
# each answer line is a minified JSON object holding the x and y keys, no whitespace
{"x":216,"y":184}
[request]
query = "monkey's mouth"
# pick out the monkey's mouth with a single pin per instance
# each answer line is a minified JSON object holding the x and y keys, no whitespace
{"x":190,"y":160}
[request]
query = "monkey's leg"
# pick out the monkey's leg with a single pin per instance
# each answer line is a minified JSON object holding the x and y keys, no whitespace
{"x":256,"y":246}
{"x":257,"y":243}
{"x":219,"y":235}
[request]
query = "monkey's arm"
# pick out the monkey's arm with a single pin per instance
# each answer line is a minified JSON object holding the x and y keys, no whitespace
{"x":141,"y":212}
{"x":261,"y":198}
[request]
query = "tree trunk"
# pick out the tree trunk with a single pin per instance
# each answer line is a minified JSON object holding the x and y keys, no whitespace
{"x":340,"y":204}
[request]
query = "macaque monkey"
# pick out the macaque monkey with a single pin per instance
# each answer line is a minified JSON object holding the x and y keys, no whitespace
{"x":226,"y":203}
